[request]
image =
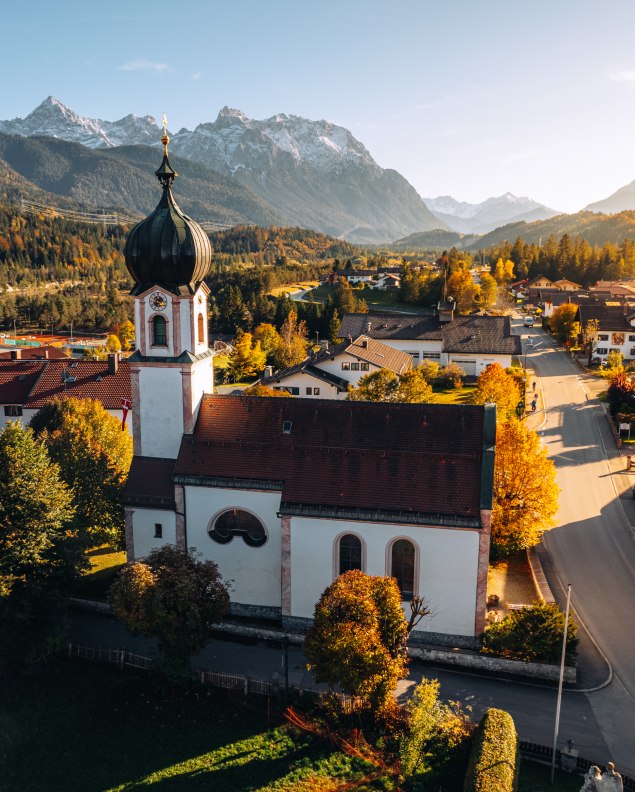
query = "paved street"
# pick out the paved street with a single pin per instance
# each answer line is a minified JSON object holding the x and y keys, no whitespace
{"x":592,"y":546}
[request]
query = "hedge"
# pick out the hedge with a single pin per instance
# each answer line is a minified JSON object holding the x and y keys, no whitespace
{"x":494,"y":761}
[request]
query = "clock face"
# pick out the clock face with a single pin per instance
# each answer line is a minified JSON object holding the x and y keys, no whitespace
{"x":158,"y":301}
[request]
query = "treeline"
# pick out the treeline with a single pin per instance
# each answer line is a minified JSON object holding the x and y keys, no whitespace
{"x":277,"y":246}
{"x":576,"y":259}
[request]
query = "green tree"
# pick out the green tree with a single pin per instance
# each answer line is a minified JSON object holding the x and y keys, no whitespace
{"x":358,"y":638}
{"x":334,"y":327}
{"x":562,"y":323}
{"x":525,"y":489}
{"x":533,"y":634}
{"x":495,"y":385}
{"x":94,"y":457}
{"x":414,"y":388}
{"x":171,"y":596}
{"x":380,"y":385}
{"x":247,"y":357}
{"x":264,"y":391}
{"x":429,"y":370}
{"x":38,"y":550}
{"x":489,"y":290}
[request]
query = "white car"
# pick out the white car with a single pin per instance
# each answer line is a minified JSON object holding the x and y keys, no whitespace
{"x":528,"y":321}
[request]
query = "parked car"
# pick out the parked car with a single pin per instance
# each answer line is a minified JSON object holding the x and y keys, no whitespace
{"x":528,"y":321}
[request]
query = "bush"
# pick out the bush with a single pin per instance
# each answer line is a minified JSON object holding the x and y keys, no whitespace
{"x":494,"y":761}
{"x":451,"y":376}
{"x":533,"y":634}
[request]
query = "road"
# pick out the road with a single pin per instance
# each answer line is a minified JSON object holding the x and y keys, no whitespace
{"x":593,"y":545}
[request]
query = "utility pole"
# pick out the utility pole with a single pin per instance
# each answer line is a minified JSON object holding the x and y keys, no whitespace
{"x":562,"y":659}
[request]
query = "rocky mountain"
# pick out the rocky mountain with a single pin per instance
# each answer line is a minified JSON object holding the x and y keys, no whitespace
{"x":315,"y":173}
{"x":621,"y":200}
{"x":123,"y":179}
{"x":467,"y":218}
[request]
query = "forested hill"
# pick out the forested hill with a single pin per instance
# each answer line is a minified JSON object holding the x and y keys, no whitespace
{"x":122,"y":179}
{"x":596,"y":229}
{"x":278,"y":245}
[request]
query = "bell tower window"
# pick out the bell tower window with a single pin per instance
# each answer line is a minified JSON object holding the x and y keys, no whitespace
{"x":159,"y":331}
{"x":201,"y":329}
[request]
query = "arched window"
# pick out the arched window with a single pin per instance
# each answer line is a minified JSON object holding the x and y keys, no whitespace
{"x":236,"y":522}
{"x":159,"y":331}
{"x":350,"y":553}
{"x":402,"y":567}
{"x":201,"y":329}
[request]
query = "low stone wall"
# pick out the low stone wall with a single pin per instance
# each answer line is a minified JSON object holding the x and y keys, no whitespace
{"x":499,"y":665}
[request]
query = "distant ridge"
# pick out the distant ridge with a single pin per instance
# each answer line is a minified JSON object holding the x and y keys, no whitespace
{"x":313,"y":174}
{"x":467,"y":218}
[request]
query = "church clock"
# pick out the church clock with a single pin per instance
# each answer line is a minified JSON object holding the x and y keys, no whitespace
{"x":158,"y":301}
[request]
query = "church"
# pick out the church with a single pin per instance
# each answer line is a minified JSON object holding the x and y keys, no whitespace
{"x":286,"y":494}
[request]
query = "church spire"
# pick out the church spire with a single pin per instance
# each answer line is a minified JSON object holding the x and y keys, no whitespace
{"x":165,"y":172}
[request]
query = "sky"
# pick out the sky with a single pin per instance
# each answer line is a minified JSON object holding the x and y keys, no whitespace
{"x":469,"y":98}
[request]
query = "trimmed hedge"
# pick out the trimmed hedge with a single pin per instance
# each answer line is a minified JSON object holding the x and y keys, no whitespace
{"x":494,"y":760}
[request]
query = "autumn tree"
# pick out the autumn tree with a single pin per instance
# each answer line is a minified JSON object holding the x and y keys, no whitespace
{"x":269,"y":339}
{"x":495,"y":385}
{"x":525,"y":489}
{"x":489,"y":291}
{"x":38,"y":551}
{"x":358,"y":638}
{"x":94,"y":457}
{"x":293,"y":342}
{"x":246,"y":358}
{"x":385,"y":385}
{"x":126,"y":333}
{"x":589,"y":337}
{"x":504,"y":270}
{"x":171,"y":596}
{"x":563,"y":324}
{"x":461,"y":287}
{"x":264,"y":391}
{"x":113,"y":344}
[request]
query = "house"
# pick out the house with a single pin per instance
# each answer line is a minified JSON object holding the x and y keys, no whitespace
{"x":34,"y":353}
{"x":328,"y":374}
{"x":286,"y":494}
{"x":355,"y":275}
{"x":539,"y":282}
{"x":27,"y":385}
{"x":624,"y":289}
{"x":566,"y":285}
{"x":388,"y":281}
{"x":616,"y":328}
{"x":473,"y":342}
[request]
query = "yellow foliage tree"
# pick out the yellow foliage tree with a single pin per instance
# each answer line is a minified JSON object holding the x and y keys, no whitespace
{"x":495,"y":385}
{"x":525,"y":489}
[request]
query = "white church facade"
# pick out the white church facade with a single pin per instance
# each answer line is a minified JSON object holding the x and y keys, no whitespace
{"x":286,"y":494}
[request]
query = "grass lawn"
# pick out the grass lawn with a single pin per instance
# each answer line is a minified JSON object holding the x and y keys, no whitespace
{"x":454,"y":395}
{"x":537,"y":778}
{"x":376,"y":299}
{"x":105,"y":562}
{"x":92,"y":727}
{"x":295,"y":287}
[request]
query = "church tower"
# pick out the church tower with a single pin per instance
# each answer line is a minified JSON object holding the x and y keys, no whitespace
{"x":168,"y":256}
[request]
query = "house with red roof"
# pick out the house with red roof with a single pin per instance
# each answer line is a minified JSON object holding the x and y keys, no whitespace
{"x":27,"y":385}
{"x":284,"y":495}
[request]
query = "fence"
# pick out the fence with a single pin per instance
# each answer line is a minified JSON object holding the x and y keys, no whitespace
{"x":245,"y":685}
{"x":543,"y":754}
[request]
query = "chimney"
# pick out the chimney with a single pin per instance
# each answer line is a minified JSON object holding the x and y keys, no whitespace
{"x":46,"y":354}
{"x":113,"y":363}
{"x":369,"y":326}
{"x":268,"y":371}
{"x":364,"y":343}
{"x":16,"y":354}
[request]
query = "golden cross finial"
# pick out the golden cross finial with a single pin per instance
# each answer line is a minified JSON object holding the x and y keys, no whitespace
{"x":164,"y":138}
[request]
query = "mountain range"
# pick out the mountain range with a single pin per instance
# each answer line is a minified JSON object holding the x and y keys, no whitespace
{"x":468,"y":218}
{"x":309,"y":173}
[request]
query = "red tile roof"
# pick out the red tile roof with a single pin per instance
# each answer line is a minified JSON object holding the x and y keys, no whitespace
{"x":17,"y":378}
{"x":409,"y":458}
{"x":91,"y":381}
{"x":35,"y":353}
{"x":150,"y":483}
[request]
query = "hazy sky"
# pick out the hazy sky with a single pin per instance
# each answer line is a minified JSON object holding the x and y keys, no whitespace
{"x":470,"y":98}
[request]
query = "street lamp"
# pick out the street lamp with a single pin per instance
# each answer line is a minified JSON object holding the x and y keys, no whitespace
{"x":562,"y":659}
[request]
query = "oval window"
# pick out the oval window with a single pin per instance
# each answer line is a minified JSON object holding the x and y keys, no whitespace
{"x":236,"y":522}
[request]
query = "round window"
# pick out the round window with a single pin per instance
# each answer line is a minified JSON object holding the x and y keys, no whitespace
{"x":236,"y":522}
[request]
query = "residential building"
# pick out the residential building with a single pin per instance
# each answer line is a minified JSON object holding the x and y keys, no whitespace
{"x":329,"y":373}
{"x":473,"y":342}
{"x":616,"y":328}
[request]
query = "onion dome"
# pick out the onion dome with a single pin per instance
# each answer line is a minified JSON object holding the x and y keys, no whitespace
{"x":168,"y":248}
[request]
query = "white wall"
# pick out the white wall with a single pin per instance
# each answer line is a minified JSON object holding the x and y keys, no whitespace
{"x":627,"y":348}
{"x":185,"y":309}
{"x":448,"y":567}
{"x":481,"y":361}
{"x":143,"y":528}
{"x":420,"y":347}
{"x":254,"y":572}
{"x":200,"y":308}
{"x":161,"y":400}
{"x":27,"y":414}
{"x":335,"y":367}
{"x":303,"y":381}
